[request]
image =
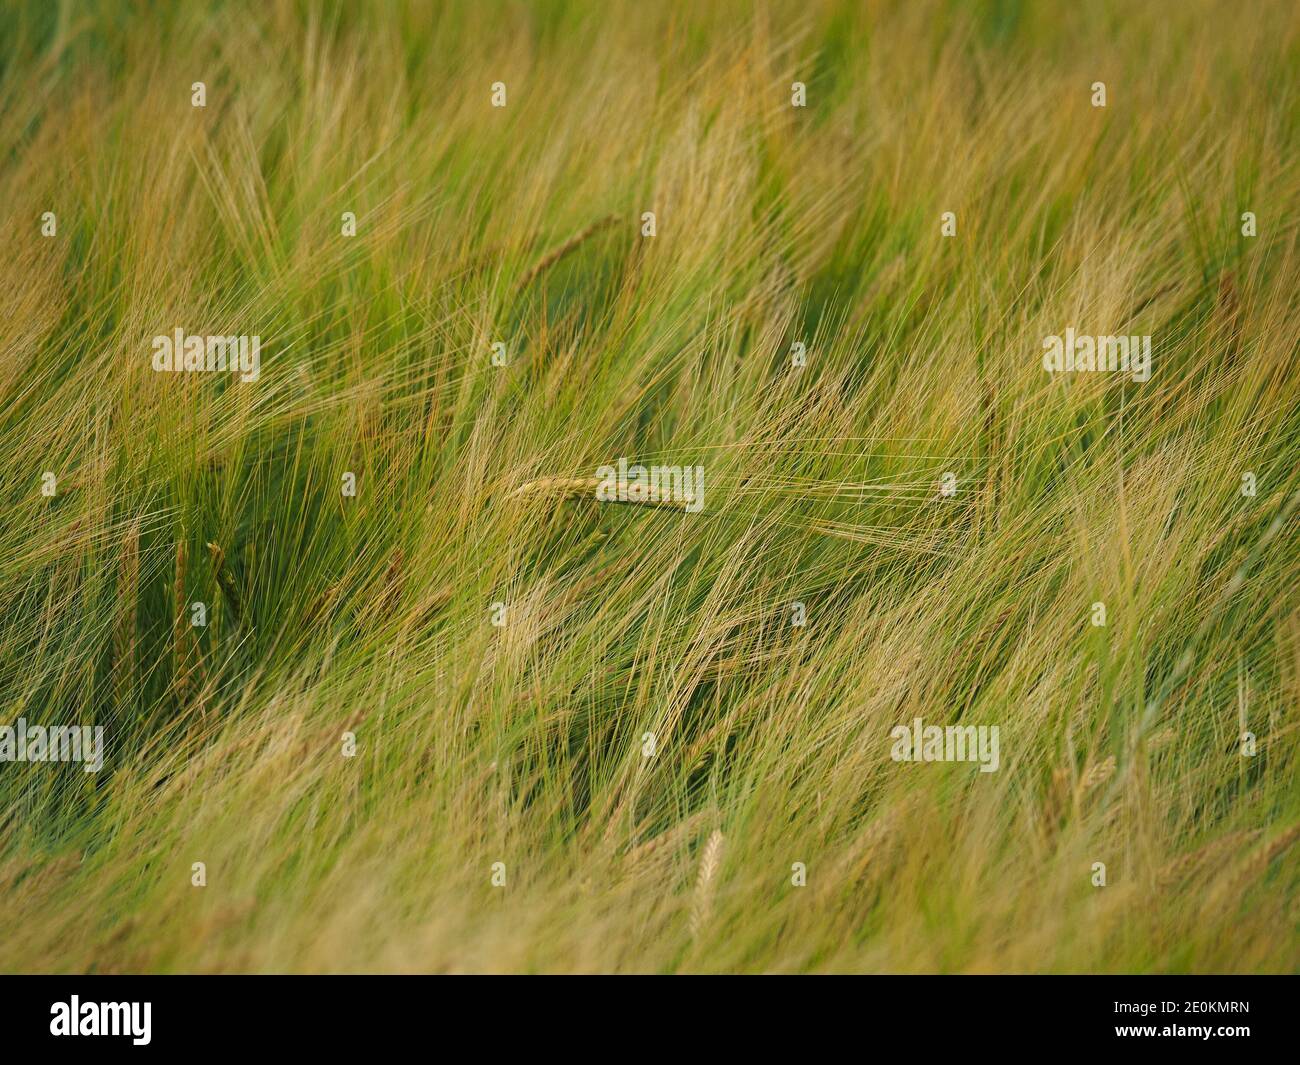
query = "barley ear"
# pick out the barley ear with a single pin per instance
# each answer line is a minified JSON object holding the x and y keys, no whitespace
{"x":226,"y":582}
{"x":186,"y":663}
{"x":706,"y":883}
{"x":124,"y":627}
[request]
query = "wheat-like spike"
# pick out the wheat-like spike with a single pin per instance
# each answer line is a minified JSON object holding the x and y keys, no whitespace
{"x":558,"y":487}
{"x":128,"y":594}
{"x":226,"y":581}
{"x":1256,"y":863}
{"x":556,"y":254}
{"x":1099,"y":774}
{"x":1160,"y":739}
{"x":710,"y":860}
{"x":392,"y":592}
{"x":627,"y":492}
{"x":1058,"y":799}
{"x":322,"y":603}
{"x":877,"y":841}
{"x":1181,"y":867}
{"x":178,"y":584}
{"x":657,"y":845}
{"x":185,"y":647}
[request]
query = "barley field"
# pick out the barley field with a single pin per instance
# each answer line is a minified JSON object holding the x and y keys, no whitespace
{"x":644,"y":432}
